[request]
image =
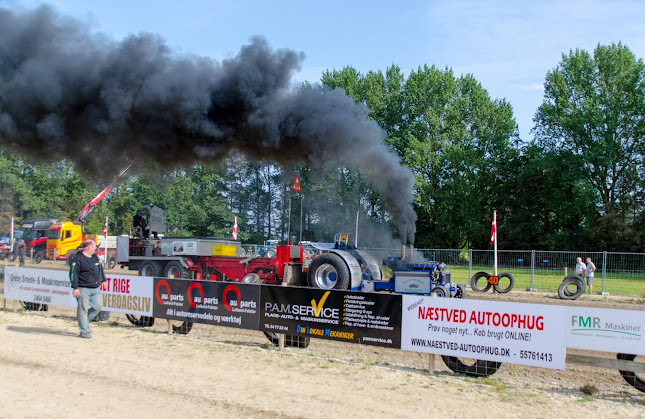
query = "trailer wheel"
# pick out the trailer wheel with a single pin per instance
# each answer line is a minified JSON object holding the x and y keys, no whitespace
{"x":504,"y":278}
{"x":252,"y":278}
{"x":476,"y":282}
{"x":151,"y":268}
{"x":39,"y":256}
{"x":111,"y":260}
{"x":631,"y":377}
{"x":175,"y":270}
{"x":142,"y":321}
{"x":34,"y":306}
{"x":567,"y":293}
{"x":271,"y":253}
{"x":295,"y":341}
{"x":182,"y":329}
{"x":439,"y":291}
{"x":479,"y":368}
{"x":461,"y":291}
{"x":328,"y":271}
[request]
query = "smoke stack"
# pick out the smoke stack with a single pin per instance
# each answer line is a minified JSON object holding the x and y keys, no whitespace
{"x":65,"y":93}
{"x":402,"y":251}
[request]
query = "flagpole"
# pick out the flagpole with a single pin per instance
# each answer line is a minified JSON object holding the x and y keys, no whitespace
{"x":302,"y":198}
{"x":105,"y":235}
{"x":289,"y":225}
{"x":495,"y":234}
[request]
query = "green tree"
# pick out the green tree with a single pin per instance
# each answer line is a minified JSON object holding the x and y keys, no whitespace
{"x":594,"y":111}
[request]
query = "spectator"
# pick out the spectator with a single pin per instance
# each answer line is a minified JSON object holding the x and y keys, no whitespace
{"x":580,"y":267}
{"x":589,"y":270}
{"x":22,"y":251}
{"x":86,"y":275}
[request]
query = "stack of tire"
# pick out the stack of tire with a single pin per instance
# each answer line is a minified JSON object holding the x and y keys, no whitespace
{"x":571,"y":288}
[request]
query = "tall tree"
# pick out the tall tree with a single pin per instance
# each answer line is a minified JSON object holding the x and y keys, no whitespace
{"x":594,"y":110}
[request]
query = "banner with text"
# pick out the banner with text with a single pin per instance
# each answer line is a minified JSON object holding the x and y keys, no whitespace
{"x":528,"y":334}
{"x":42,"y":286}
{"x":370,"y":319}
{"x":608,"y":330}
{"x":218,"y":303}
{"x":128,"y":294}
{"x":121,"y":293}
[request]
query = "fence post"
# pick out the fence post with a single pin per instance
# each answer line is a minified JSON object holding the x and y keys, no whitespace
{"x":532,"y":286}
{"x":604,"y":273}
{"x":470,"y":264}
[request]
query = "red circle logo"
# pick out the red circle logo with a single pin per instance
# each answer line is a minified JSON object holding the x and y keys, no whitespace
{"x":189,"y":293}
{"x":237,"y":295}
{"x":159,"y":284}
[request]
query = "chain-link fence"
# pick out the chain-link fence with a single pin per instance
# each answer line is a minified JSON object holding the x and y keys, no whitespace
{"x":616,"y":273}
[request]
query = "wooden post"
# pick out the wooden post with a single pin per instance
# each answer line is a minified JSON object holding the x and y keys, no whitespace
{"x":170,"y":321}
{"x":431,"y":363}
{"x":280,"y":341}
{"x":565,"y":271}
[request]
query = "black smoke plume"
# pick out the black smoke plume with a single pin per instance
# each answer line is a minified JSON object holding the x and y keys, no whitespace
{"x":65,"y":92}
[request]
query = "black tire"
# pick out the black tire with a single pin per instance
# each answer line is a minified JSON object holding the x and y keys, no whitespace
{"x":479,"y":368}
{"x":565,"y":293}
{"x":631,"y":377}
{"x":328,"y":271}
{"x":174,"y":269}
{"x":34,"y":306}
{"x":295,"y":341}
{"x":151,"y":268}
{"x":39,"y":256}
{"x":69,"y":256}
{"x":439,"y":291}
{"x":142,"y":321}
{"x":182,"y":329}
{"x":501,"y":286}
{"x":111,"y":260}
{"x":12,"y":257}
{"x":461,"y":291}
{"x":474,"y":282}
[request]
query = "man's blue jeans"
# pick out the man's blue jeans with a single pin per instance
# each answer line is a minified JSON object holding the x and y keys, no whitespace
{"x":90,"y":302}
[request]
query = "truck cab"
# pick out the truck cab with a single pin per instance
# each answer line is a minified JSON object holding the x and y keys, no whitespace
{"x":62,"y":238}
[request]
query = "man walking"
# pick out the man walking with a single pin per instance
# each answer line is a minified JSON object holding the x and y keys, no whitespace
{"x":86,"y":275}
{"x":589,"y":270}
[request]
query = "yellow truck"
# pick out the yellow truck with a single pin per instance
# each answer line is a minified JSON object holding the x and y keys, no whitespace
{"x":63,"y":240}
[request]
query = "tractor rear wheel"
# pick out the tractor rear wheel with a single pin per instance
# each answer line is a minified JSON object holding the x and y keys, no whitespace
{"x":328,"y":271}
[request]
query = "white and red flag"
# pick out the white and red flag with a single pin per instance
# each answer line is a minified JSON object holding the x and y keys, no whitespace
{"x":235,"y":229}
{"x":493,"y":228}
{"x":105,"y":227}
{"x":11,"y":230}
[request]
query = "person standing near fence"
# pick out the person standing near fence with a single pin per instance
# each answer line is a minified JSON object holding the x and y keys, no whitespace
{"x":580,"y":267}
{"x":86,"y":275}
{"x":22,"y":252}
{"x":589,"y":270}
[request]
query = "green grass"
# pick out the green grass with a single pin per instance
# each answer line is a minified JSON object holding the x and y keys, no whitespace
{"x":550,"y":280}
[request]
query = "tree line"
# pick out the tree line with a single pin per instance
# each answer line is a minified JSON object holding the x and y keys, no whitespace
{"x":576,"y":185}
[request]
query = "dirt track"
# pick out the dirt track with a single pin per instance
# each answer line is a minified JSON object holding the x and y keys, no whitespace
{"x":46,"y":370}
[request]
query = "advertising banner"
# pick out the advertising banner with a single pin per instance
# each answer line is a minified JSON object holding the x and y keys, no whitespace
{"x":527,"y":334}
{"x":219,"y":303}
{"x":608,"y":330}
{"x":127,"y":294}
{"x":370,"y":319}
{"x":42,"y":286}
{"x":121,"y":293}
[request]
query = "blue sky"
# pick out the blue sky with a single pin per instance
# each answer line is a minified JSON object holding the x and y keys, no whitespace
{"x":507,"y":45}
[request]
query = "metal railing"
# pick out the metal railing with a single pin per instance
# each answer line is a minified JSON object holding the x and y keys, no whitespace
{"x":537,"y":270}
